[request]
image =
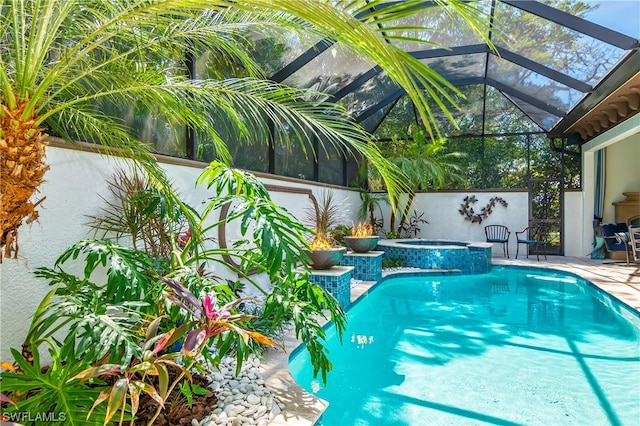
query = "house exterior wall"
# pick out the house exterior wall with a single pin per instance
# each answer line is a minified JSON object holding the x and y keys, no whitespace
{"x":623,"y":173}
{"x":572,"y":225}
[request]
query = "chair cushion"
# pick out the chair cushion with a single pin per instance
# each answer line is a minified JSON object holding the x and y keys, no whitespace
{"x":622,"y":237}
{"x":530,"y":242}
{"x":612,"y":241}
{"x":496,"y":240}
{"x":609,"y":229}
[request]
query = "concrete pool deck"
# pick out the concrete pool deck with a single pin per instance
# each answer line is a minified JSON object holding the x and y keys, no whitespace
{"x":302,"y":408}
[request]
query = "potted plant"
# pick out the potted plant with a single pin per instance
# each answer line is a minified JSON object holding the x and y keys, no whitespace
{"x":324,"y":252}
{"x":362,"y":239}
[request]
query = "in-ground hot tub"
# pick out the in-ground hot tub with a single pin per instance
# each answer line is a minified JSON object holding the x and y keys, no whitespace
{"x":468,"y":258}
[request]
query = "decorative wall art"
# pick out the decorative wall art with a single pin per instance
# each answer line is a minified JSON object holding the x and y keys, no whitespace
{"x":467,"y":211}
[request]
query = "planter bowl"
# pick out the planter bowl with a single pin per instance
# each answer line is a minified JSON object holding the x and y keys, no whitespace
{"x":326,"y":258}
{"x":362,"y":244}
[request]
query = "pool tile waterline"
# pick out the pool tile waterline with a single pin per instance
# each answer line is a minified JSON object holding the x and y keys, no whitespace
{"x":468,"y":258}
{"x":444,"y":256}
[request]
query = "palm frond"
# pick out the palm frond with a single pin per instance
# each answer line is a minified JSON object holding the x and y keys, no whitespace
{"x":144,"y":27}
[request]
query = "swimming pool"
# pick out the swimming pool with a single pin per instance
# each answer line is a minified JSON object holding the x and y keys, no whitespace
{"x":515,"y":346}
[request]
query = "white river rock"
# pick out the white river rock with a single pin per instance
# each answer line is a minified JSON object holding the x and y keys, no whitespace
{"x":243,"y":400}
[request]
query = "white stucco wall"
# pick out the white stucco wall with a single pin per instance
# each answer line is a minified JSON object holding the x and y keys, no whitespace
{"x":445,"y":222}
{"x":76,"y":179}
{"x":72,"y":188}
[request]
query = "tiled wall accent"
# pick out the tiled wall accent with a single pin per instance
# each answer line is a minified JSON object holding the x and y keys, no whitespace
{"x":336,"y":281}
{"x":366,"y":266}
{"x":480,"y":260}
{"x":469,"y":260}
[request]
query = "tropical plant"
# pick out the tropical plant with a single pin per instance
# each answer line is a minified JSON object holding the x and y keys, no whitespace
{"x":207,"y":321}
{"x":337,"y":234}
{"x":113,"y":312}
{"x":391,"y":262}
{"x":322,"y":216}
{"x":72,"y":67}
{"x":99,"y":310}
{"x":411,"y":226}
{"x":50,"y":391}
{"x":136,"y":211}
{"x":370,"y":202}
{"x":273,"y":245}
{"x":426,"y":165}
{"x":104,"y":327}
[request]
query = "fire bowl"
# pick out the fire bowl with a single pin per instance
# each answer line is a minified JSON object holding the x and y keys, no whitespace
{"x":362,"y":244}
{"x":326,"y":258}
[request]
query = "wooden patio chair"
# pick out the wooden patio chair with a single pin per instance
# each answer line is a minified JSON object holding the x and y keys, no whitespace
{"x":498,"y":234}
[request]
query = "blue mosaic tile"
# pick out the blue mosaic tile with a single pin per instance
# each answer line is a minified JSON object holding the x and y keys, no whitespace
{"x":366,"y":267}
{"x":469,"y":260}
{"x":339,"y":285}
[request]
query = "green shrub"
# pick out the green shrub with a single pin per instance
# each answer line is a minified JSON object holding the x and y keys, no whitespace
{"x":391,"y":262}
{"x":338,"y":233}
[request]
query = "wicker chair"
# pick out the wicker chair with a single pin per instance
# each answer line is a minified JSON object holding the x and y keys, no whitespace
{"x":498,"y":234}
{"x":532,"y":236}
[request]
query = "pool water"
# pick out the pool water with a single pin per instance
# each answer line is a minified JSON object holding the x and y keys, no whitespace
{"x":512,"y":347}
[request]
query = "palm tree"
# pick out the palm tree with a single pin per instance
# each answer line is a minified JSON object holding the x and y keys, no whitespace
{"x":62,"y":61}
{"x":425,"y":163}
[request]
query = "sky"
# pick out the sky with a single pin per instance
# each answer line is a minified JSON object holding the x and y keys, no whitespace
{"x":620,"y":15}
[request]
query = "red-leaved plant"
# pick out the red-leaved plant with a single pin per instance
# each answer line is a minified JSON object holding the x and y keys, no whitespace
{"x":208,"y":321}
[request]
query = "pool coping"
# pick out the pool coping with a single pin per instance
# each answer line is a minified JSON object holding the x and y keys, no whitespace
{"x":303,"y":408}
{"x":442,"y":244}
